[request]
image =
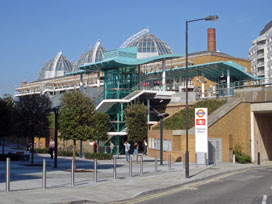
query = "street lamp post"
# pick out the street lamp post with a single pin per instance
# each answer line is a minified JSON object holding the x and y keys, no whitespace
{"x":161,"y":116}
{"x":209,"y":18}
{"x":56,"y":111}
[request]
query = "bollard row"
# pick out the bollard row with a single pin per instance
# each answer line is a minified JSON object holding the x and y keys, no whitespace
{"x":44,"y":173}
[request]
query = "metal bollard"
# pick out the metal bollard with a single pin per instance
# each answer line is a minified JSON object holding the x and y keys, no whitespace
{"x":259,"y":158}
{"x":156,"y":163}
{"x":95,"y":170}
{"x":141,"y":165}
{"x":214,"y":159}
{"x":206,"y":160}
{"x":44,"y":175}
{"x":169,"y":162}
{"x":195,"y":159}
{"x":73,"y":173}
{"x":233,"y":159}
{"x":114,"y":167}
{"x":8,"y":175}
{"x":183,"y":161}
{"x":130,"y":167}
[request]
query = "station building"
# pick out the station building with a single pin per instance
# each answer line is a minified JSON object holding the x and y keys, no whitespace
{"x":145,"y":68}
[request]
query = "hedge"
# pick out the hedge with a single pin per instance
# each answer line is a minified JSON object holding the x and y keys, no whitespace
{"x":99,"y":156}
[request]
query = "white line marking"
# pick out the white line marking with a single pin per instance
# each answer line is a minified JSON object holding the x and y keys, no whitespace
{"x":264,"y":199}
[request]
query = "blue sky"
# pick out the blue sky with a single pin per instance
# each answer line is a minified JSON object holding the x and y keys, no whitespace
{"x":33,"y":31}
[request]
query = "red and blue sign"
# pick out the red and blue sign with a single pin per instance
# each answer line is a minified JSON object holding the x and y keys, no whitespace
{"x":200,"y":113}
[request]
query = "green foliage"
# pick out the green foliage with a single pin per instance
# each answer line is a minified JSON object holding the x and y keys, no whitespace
{"x":51,"y":119}
{"x":63,"y":153}
{"x":240,"y":157}
{"x":31,"y":117}
{"x":32,"y":113}
{"x":243,"y":159}
{"x":99,"y":156}
{"x":5,"y":117}
{"x":76,"y":119}
{"x":136,"y":122}
{"x":102,"y":124}
{"x":178,"y":120}
{"x":66,"y":153}
{"x":41,"y":150}
{"x":237,"y":150}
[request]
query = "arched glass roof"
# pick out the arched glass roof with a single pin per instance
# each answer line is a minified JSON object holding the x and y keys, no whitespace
{"x":148,"y":45}
{"x":96,"y":54}
{"x":56,"y":67}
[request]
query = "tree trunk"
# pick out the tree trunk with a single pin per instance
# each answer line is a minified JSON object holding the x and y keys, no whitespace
{"x":74,"y":154}
{"x":32,"y":151}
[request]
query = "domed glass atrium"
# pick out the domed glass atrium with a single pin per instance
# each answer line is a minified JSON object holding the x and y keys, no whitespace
{"x":148,"y":45}
{"x":95,"y":54}
{"x":56,"y":67}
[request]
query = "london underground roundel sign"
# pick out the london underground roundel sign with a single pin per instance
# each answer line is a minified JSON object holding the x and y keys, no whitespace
{"x":200,"y":113}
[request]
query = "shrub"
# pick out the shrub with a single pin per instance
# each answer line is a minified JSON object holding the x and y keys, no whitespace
{"x":99,"y":156}
{"x":243,"y":159}
{"x":41,"y":150}
{"x":64,"y":153}
{"x":178,"y":120}
{"x":240,"y":157}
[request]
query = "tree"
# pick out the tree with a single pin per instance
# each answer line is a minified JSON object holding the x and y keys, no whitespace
{"x":33,"y":112}
{"x":136,"y":122}
{"x":76,"y":118}
{"x":102,"y":123}
{"x":6,"y":107}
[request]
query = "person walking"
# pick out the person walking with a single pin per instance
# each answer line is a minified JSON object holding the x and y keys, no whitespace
{"x":111,"y":147}
{"x":51,"y":147}
{"x":145,"y":147}
{"x":95,"y":146}
{"x":135,"y":148}
{"x":127,"y":148}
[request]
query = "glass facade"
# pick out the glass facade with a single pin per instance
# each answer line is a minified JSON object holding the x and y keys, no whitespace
{"x":119,"y":82}
{"x":58,"y":66}
{"x":148,"y":43}
{"x":95,"y":54}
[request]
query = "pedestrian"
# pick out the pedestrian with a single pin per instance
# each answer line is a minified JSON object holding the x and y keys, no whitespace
{"x":135,"y":148}
{"x":111,"y":147}
{"x":145,"y":147}
{"x":127,"y":148}
{"x":51,"y":147}
{"x":95,"y":147}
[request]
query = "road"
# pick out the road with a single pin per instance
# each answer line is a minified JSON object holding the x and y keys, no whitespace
{"x":252,"y":186}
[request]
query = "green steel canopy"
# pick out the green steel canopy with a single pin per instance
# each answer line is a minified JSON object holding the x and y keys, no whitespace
{"x":212,"y":71}
{"x":124,"y":57}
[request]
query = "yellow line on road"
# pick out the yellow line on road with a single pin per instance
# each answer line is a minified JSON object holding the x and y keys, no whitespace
{"x":182,"y":188}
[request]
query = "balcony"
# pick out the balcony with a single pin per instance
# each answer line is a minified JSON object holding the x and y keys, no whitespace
{"x":260,"y":64}
{"x":261,"y":55}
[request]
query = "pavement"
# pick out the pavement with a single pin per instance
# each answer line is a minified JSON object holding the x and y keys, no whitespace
{"x":26,"y":181}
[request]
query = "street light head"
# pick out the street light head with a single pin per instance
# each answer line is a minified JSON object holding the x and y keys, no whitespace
{"x":211,"y":18}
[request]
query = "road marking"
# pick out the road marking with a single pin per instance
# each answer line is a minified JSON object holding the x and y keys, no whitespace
{"x":182,"y":188}
{"x":264,"y":199}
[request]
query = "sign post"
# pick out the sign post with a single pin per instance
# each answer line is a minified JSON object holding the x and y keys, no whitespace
{"x":201,"y":135}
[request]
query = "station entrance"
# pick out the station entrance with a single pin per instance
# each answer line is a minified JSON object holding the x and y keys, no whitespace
{"x":262,"y":131}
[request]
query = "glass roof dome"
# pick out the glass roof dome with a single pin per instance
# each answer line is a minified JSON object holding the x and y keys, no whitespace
{"x":148,"y":45}
{"x":95,"y":54}
{"x":56,"y":67}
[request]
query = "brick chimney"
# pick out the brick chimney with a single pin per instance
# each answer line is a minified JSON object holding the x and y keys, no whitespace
{"x":211,"y":39}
